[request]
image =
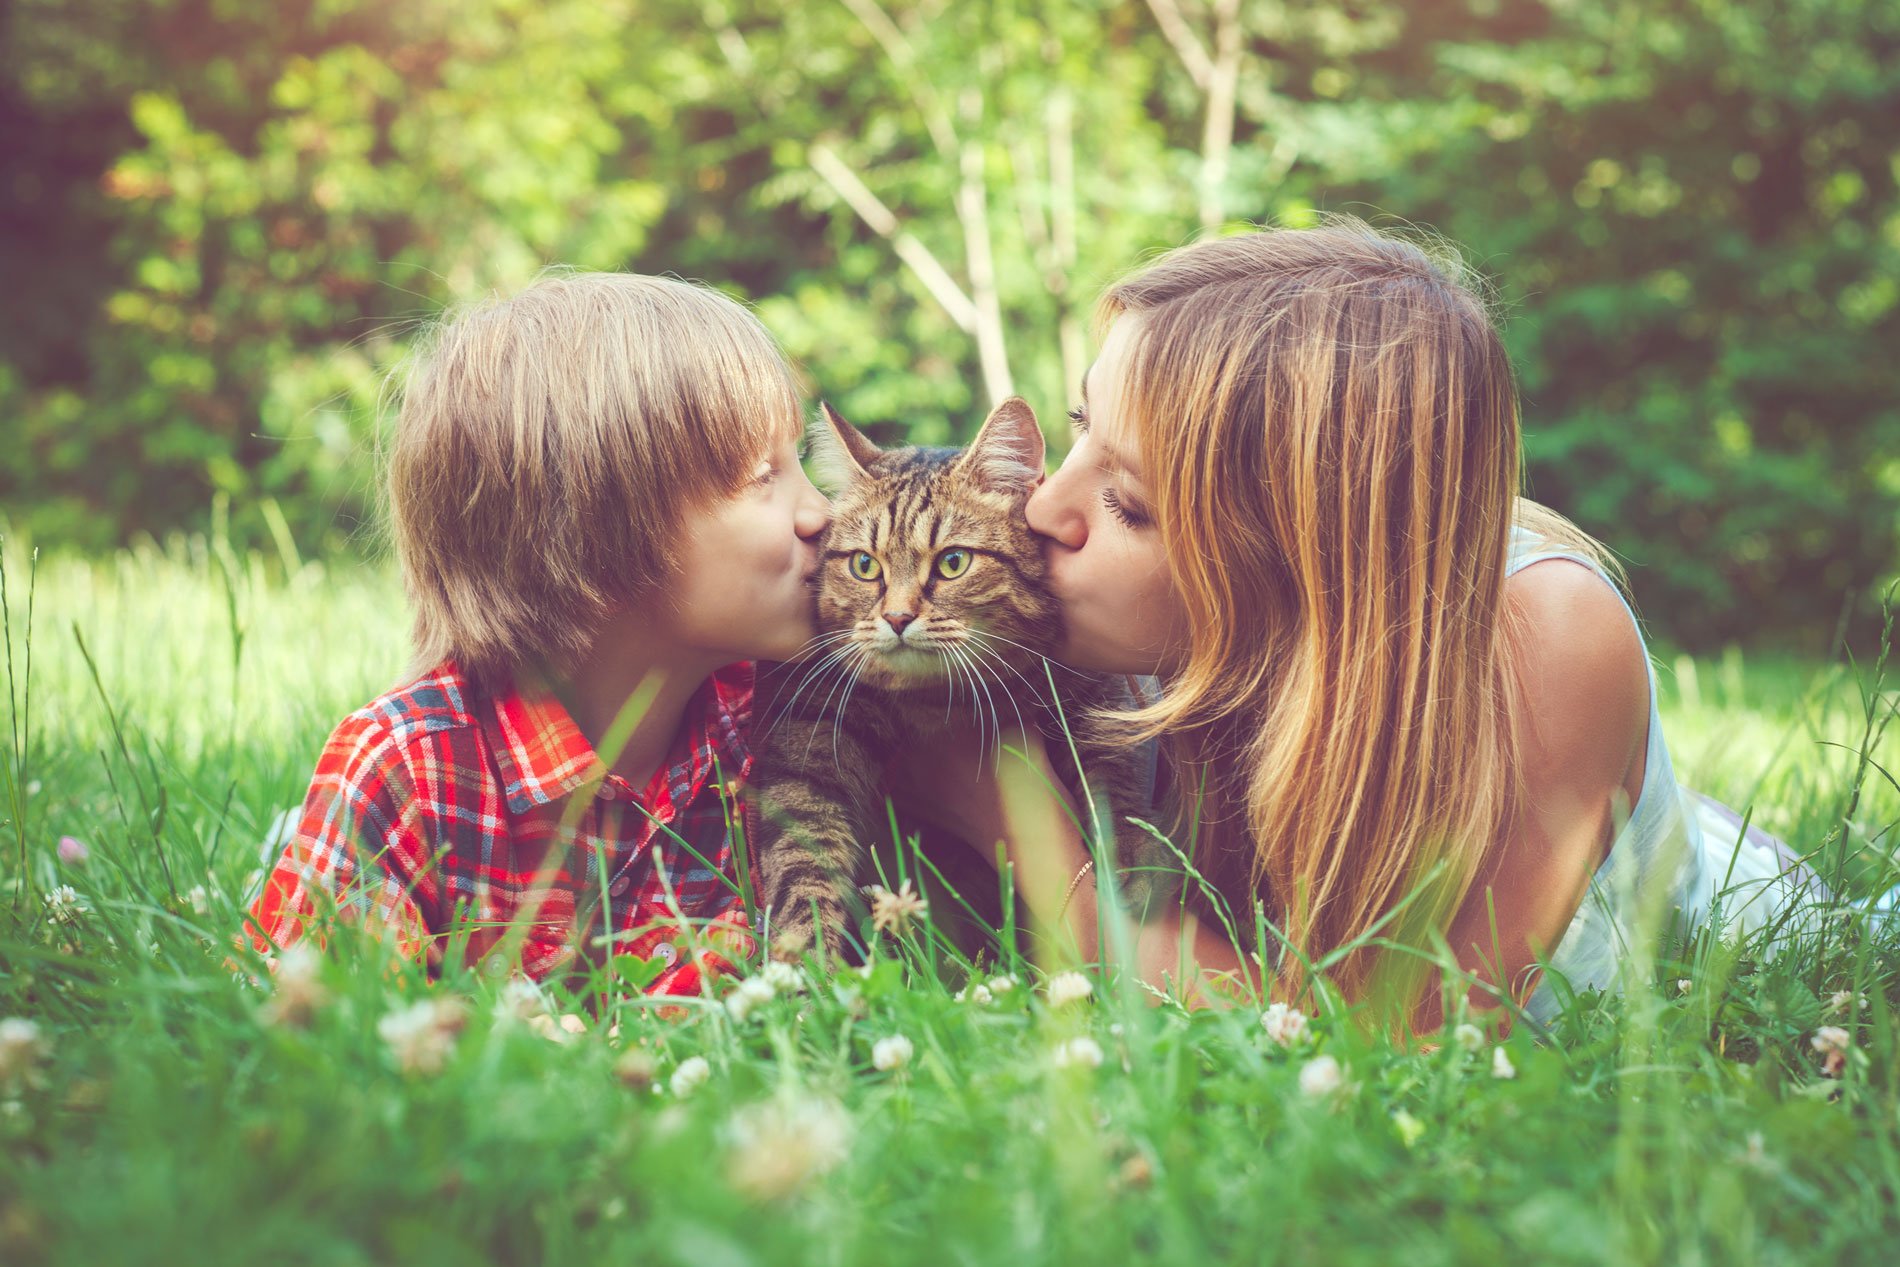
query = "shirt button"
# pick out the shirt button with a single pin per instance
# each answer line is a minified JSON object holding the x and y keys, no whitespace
{"x":619,"y":886}
{"x":495,"y":965}
{"x":666,"y":951}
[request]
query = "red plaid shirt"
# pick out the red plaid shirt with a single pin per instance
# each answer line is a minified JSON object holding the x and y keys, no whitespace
{"x":434,"y":806}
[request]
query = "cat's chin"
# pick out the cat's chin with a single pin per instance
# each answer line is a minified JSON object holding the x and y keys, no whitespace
{"x":902,"y":667}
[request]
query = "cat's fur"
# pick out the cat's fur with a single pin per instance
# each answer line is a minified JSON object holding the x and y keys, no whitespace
{"x":874,"y":691}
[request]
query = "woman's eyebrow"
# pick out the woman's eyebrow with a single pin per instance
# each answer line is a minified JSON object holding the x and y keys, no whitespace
{"x":1110,"y":459}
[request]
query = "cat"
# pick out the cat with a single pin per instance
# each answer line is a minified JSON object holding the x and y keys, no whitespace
{"x":931,"y":597}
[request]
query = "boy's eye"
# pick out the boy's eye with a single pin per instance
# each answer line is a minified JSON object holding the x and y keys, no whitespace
{"x":953,"y":563}
{"x":863,"y":566}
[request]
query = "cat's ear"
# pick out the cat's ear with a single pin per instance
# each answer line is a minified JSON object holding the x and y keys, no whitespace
{"x":841,"y":450}
{"x":1007,"y":453}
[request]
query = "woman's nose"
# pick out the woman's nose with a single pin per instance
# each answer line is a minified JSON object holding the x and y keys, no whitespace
{"x":1052,"y":512}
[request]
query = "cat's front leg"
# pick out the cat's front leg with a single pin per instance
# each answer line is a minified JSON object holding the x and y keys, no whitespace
{"x":816,"y":786}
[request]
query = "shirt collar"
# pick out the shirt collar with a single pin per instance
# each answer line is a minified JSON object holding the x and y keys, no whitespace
{"x":543,"y":756}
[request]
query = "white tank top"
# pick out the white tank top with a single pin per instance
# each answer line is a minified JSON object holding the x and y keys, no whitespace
{"x":1677,"y":858}
{"x":1653,"y":857}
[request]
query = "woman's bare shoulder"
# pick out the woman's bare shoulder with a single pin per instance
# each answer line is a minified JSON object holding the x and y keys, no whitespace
{"x":1584,"y":675}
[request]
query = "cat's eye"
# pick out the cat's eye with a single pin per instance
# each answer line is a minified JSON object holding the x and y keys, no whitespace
{"x":953,"y":563}
{"x":863,"y":566}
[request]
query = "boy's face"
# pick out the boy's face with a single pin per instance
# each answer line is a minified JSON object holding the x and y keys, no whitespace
{"x":748,"y":563}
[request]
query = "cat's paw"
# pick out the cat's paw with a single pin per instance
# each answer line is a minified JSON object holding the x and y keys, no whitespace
{"x":789,"y":945}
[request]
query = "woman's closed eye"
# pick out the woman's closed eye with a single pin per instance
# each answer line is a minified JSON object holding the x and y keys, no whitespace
{"x":1123,"y":509}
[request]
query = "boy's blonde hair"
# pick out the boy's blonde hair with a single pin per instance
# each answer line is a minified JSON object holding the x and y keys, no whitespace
{"x":549,"y":446}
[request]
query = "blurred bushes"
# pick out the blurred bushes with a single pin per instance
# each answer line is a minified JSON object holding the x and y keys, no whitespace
{"x":224,"y":220}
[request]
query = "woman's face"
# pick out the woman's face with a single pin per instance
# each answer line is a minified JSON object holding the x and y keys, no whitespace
{"x":1120,"y":607}
{"x":747,"y":565}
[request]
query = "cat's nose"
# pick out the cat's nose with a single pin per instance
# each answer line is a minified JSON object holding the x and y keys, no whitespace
{"x":897,"y":621}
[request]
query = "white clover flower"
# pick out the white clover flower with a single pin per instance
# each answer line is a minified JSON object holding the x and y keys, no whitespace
{"x":1845,"y":1001}
{"x":637,"y":1069}
{"x":64,"y":905}
{"x":520,"y":1000}
{"x":891,"y":1053}
{"x":1833,"y":1043}
{"x":22,"y":1047}
{"x":1683,"y":984}
{"x":691,"y":1073}
{"x":421,"y":1036}
{"x":1469,"y":1037}
{"x":565,"y":1030}
{"x":895,"y":912}
{"x":782,"y":976}
{"x":297,"y":989}
{"x":1501,"y":1066}
{"x":1001,"y":984}
{"x":1068,"y":987}
{"x":33,"y":787}
{"x":1408,"y":1127}
{"x":1320,"y":1076}
{"x":749,"y":994}
{"x":975,"y":992}
{"x":1285,"y":1025}
{"x":199,"y":900}
{"x":775,"y":1149}
{"x":1077,"y":1053}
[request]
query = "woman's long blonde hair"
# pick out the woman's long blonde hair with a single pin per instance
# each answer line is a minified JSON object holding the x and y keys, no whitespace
{"x":1328,"y":429}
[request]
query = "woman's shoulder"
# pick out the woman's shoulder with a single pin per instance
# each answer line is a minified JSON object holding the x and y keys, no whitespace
{"x":1583,"y":674}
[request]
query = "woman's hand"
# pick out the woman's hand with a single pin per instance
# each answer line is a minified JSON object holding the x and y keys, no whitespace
{"x":1009,"y":794}
{"x":991,"y":790}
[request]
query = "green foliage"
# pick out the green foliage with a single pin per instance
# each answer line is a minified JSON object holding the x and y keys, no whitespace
{"x":227,"y":221}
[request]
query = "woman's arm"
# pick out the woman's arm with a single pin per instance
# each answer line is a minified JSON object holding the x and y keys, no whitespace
{"x":1582,"y":738}
{"x":1015,"y":799}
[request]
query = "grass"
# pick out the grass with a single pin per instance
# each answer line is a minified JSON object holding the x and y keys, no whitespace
{"x":176,"y":701}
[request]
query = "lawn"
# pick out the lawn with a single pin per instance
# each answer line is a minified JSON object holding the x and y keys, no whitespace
{"x":157,"y":1107}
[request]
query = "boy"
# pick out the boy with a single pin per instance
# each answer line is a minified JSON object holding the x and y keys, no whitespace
{"x":600,"y":520}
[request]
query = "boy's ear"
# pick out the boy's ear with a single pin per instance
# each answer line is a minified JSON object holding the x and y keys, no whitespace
{"x":1006,"y":455}
{"x":841,"y":450}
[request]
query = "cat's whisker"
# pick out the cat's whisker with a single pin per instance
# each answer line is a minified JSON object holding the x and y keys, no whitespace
{"x":991,"y":633}
{"x":978,"y":649}
{"x":813,"y":674}
{"x":846,"y":675}
{"x":954,"y":669}
{"x":837,"y":719}
{"x":1035,"y":692}
{"x":791,"y":676}
{"x":812,"y":645}
{"x":976,"y":706}
{"x":831,"y":673}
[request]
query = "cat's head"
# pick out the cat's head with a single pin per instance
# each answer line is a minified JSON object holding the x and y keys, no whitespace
{"x":930,"y":569}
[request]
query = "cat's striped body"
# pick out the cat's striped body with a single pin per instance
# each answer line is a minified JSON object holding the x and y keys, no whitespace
{"x":932,"y":600}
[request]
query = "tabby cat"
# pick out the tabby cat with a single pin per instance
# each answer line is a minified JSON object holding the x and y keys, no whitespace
{"x":931,"y":598}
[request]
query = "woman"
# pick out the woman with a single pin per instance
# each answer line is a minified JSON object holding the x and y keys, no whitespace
{"x":1399,"y":701}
